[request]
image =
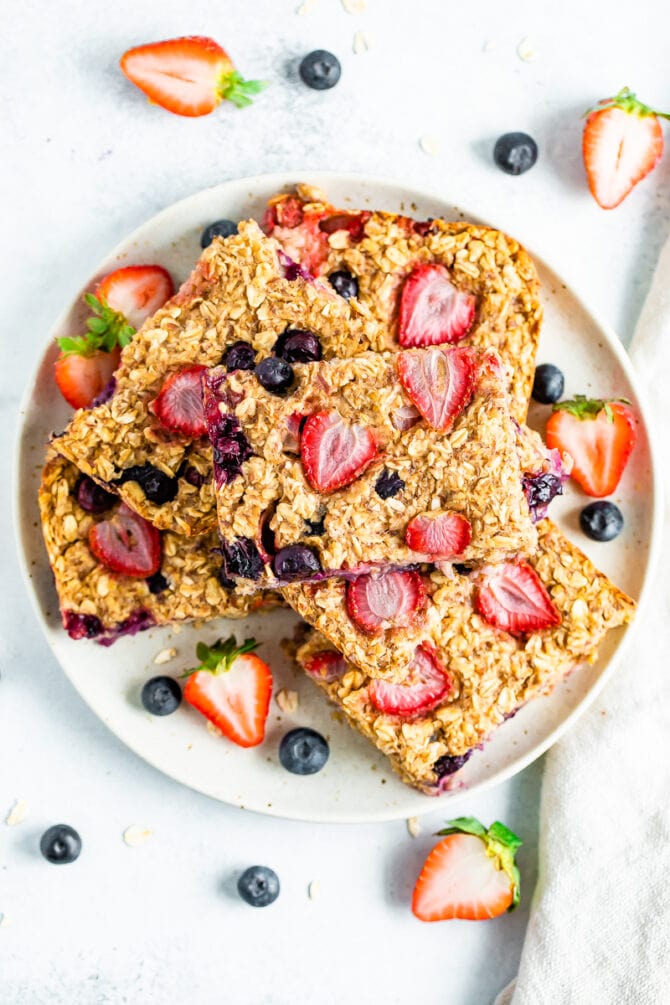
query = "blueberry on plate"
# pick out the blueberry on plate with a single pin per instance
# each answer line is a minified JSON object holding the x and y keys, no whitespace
{"x":515,"y":153}
{"x":294,"y":562}
{"x":60,"y":844}
{"x":258,"y":885}
{"x":548,"y":384}
{"x":320,"y":70}
{"x":220,"y":228}
{"x":298,"y":346}
{"x":161,"y":696}
{"x":275,"y":375}
{"x":344,"y":283}
{"x":303,"y":751}
{"x":601,"y":520}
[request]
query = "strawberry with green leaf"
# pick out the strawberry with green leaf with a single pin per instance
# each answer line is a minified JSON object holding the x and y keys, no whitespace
{"x":598,"y":435}
{"x":471,"y":874}
{"x":232,"y":688}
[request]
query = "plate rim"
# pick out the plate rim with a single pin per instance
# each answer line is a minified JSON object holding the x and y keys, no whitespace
{"x":424,"y":804}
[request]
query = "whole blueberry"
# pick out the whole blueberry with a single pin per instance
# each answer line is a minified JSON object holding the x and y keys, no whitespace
{"x":161,"y":695}
{"x":298,"y":346}
{"x":92,"y":497}
{"x":258,"y":885}
{"x":548,"y":384}
{"x":297,"y":561}
{"x":239,"y":356}
{"x":158,"y":487}
{"x":515,"y":153}
{"x":388,"y":484}
{"x":275,"y":375}
{"x":220,"y":228}
{"x":344,"y":283}
{"x":601,"y":520}
{"x":303,"y":751}
{"x":60,"y":844}
{"x":320,"y":70}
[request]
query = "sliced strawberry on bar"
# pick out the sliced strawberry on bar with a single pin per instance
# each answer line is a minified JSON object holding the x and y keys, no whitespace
{"x":334,"y":453}
{"x":136,"y":291}
{"x":427,"y":683}
{"x":512,"y":596}
{"x":446,"y":535}
{"x":440,"y":382}
{"x":327,"y":665}
{"x":127,"y":544}
{"x":598,"y":435}
{"x":432,"y":310}
{"x":471,"y":874}
{"x":389,"y":600}
{"x":179,"y":404}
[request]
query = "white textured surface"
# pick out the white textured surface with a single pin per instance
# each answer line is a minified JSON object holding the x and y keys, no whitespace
{"x":84,"y":160}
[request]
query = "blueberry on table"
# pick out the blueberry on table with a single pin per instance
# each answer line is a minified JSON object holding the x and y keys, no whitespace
{"x":60,"y":844}
{"x":515,"y":153}
{"x":344,"y":283}
{"x":298,"y":346}
{"x":161,"y":695}
{"x":548,"y":384}
{"x":221,"y":228}
{"x":303,"y":751}
{"x":320,"y":70}
{"x":601,"y":521}
{"x":258,"y":885}
{"x":275,"y":375}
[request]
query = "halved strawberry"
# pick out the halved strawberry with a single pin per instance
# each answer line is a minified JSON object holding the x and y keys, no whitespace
{"x":179,"y":404}
{"x":82,"y":377}
{"x":232,"y":688}
{"x":136,"y":291}
{"x":387,"y":600}
{"x":426,"y":684}
{"x":334,"y":453}
{"x":440,"y":382}
{"x":127,"y":544}
{"x":327,"y":665}
{"x":432,"y":310}
{"x":622,"y":143}
{"x":445,"y":535}
{"x":471,"y":874}
{"x":188,"y":76}
{"x":512,"y":596}
{"x":598,"y":435}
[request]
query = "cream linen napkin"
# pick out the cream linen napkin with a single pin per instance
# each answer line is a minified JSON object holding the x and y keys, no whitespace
{"x":599,"y":930}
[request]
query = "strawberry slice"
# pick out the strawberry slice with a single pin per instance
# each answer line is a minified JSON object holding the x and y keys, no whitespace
{"x":232,"y":688}
{"x":446,"y":535}
{"x":127,"y":544}
{"x":334,"y":453}
{"x":387,"y":600}
{"x":136,"y":292}
{"x":440,"y":382}
{"x":598,"y":435}
{"x":512,"y":596}
{"x":327,"y":665}
{"x":622,"y":143}
{"x":81,"y":377}
{"x":426,"y":685}
{"x":188,"y":76}
{"x":179,"y":404}
{"x":471,"y":874}
{"x":432,"y":310}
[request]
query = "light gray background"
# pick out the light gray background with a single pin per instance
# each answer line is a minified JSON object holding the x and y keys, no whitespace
{"x":83,"y":160}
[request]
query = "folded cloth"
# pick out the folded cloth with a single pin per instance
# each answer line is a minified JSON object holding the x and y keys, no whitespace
{"x":599,"y":930}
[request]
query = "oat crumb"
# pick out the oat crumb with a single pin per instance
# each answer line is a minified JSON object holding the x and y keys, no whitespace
{"x":135,"y":835}
{"x":526,"y":50}
{"x":287,"y":700}
{"x":165,"y":655}
{"x":17,"y":814}
{"x":214,"y":730}
{"x":414,"y":826}
{"x":429,"y":145}
{"x":314,"y":889}
{"x":361,"y":43}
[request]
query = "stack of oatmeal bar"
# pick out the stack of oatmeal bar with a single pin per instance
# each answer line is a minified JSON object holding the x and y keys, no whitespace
{"x":358,"y":466}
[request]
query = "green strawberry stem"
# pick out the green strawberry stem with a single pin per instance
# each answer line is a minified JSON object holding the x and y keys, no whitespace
{"x":233,"y":87}
{"x":107,"y":329}
{"x":628,"y":102}
{"x":220,"y":657}
{"x":588,"y":408}
{"x":501,"y":845}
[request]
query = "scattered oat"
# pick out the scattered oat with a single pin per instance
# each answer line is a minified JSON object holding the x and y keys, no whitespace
{"x":526,"y":50}
{"x":4,"y":921}
{"x":176,"y":629}
{"x":135,"y":835}
{"x":314,"y":889}
{"x":307,"y":7}
{"x":17,"y":814}
{"x":287,"y":700}
{"x":355,"y":6}
{"x":414,"y":826}
{"x":165,"y":655}
{"x":429,"y":145}
{"x":361,"y":43}
{"x":214,"y":730}
{"x":489,"y":45}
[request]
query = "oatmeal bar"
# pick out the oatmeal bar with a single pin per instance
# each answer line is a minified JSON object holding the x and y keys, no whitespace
{"x":98,"y":604}
{"x":372,"y":255}
{"x":388,"y":459}
{"x":243,"y":289}
{"x":491,"y":673}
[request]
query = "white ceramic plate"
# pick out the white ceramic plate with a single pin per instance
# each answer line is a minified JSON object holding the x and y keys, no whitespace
{"x":356,"y":784}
